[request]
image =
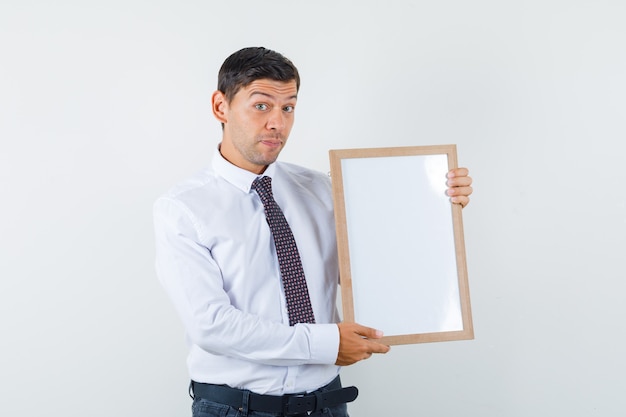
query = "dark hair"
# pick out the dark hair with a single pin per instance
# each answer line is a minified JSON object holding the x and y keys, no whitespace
{"x":254,"y":63}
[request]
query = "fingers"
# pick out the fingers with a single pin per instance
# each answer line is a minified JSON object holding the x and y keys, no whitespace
{"x":463,"y":201}
{"x":460,"y":191}
{"x":459,"y":177}
{"x":376,"y":347}
{"x":460,"y":195}
{"x":459,"y":183}
{"x":458,"y":172}
{"x":367,"y":331}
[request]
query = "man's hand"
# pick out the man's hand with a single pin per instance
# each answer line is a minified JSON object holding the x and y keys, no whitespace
{"x":355,"y":343}
{"x":459,"y":186}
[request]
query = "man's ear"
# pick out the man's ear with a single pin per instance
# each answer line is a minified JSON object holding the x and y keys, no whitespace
{"x":219,"y":105}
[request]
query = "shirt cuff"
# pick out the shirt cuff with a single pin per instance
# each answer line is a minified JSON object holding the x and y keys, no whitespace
{"x":324,"y":343}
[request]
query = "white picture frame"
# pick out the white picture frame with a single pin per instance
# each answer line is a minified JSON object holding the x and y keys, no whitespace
{"x":401,"y":244}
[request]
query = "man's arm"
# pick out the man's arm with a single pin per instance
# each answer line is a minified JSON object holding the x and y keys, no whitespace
{"x":193,"y":281}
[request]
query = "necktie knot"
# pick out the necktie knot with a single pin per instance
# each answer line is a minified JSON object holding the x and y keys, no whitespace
{"x":263,"y":187}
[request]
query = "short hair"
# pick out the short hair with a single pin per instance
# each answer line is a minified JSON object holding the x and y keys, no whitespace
{"x":251,"y":64}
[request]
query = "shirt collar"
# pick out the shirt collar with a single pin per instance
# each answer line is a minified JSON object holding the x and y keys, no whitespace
{"x":238,"y":177}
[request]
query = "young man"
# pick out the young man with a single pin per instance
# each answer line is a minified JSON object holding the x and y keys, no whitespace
{"x":256,"y":294}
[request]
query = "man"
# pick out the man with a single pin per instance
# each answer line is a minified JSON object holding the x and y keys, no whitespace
{"x":221,"y":259}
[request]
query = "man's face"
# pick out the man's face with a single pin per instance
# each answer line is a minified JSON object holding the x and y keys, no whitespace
{"x":257,"y":122}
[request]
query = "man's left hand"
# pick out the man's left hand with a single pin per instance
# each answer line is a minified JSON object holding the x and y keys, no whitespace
{"x":459,"y":186}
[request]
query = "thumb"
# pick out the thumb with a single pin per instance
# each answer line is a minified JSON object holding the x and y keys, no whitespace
{"x":369,"y":332}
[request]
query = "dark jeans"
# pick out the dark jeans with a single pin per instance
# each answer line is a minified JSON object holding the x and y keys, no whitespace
{"x":203,"y":407}
{"x":206,"y":408}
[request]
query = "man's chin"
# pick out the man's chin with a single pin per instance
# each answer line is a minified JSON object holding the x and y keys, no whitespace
{"x":268,"y":157}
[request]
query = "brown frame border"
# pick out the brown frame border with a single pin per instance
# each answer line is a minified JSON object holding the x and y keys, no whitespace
{"x":336,"y":156}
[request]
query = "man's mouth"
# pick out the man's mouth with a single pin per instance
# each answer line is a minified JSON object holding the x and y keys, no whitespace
{"x":272,"y":142}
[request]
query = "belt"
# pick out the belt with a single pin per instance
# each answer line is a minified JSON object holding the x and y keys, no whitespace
{"x":290,"y":404}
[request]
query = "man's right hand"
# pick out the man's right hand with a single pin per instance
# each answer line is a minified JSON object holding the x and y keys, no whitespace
{"x":357,"y":342}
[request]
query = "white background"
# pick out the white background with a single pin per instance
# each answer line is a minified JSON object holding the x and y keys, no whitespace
{"x":105,"y":105}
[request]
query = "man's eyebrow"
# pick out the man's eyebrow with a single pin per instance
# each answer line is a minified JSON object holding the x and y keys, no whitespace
{"x":261,"y":93}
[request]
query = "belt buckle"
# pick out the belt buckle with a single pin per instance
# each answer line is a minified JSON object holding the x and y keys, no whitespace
{"x":298,"y":404}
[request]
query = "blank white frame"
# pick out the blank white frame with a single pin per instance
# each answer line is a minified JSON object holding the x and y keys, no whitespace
{"x":401,"y":246}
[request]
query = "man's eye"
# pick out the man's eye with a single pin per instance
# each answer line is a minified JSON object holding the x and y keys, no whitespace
{"x":261,"y":106}
{"x":288,"y":109}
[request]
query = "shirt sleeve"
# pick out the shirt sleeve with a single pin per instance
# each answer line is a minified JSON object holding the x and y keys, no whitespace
{"x":193,"y":281}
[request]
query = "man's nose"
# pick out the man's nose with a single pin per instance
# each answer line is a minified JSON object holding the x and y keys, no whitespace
{"x":276,"y":120}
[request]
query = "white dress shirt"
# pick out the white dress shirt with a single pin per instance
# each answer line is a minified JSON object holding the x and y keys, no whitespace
{"x":216,"y":260}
